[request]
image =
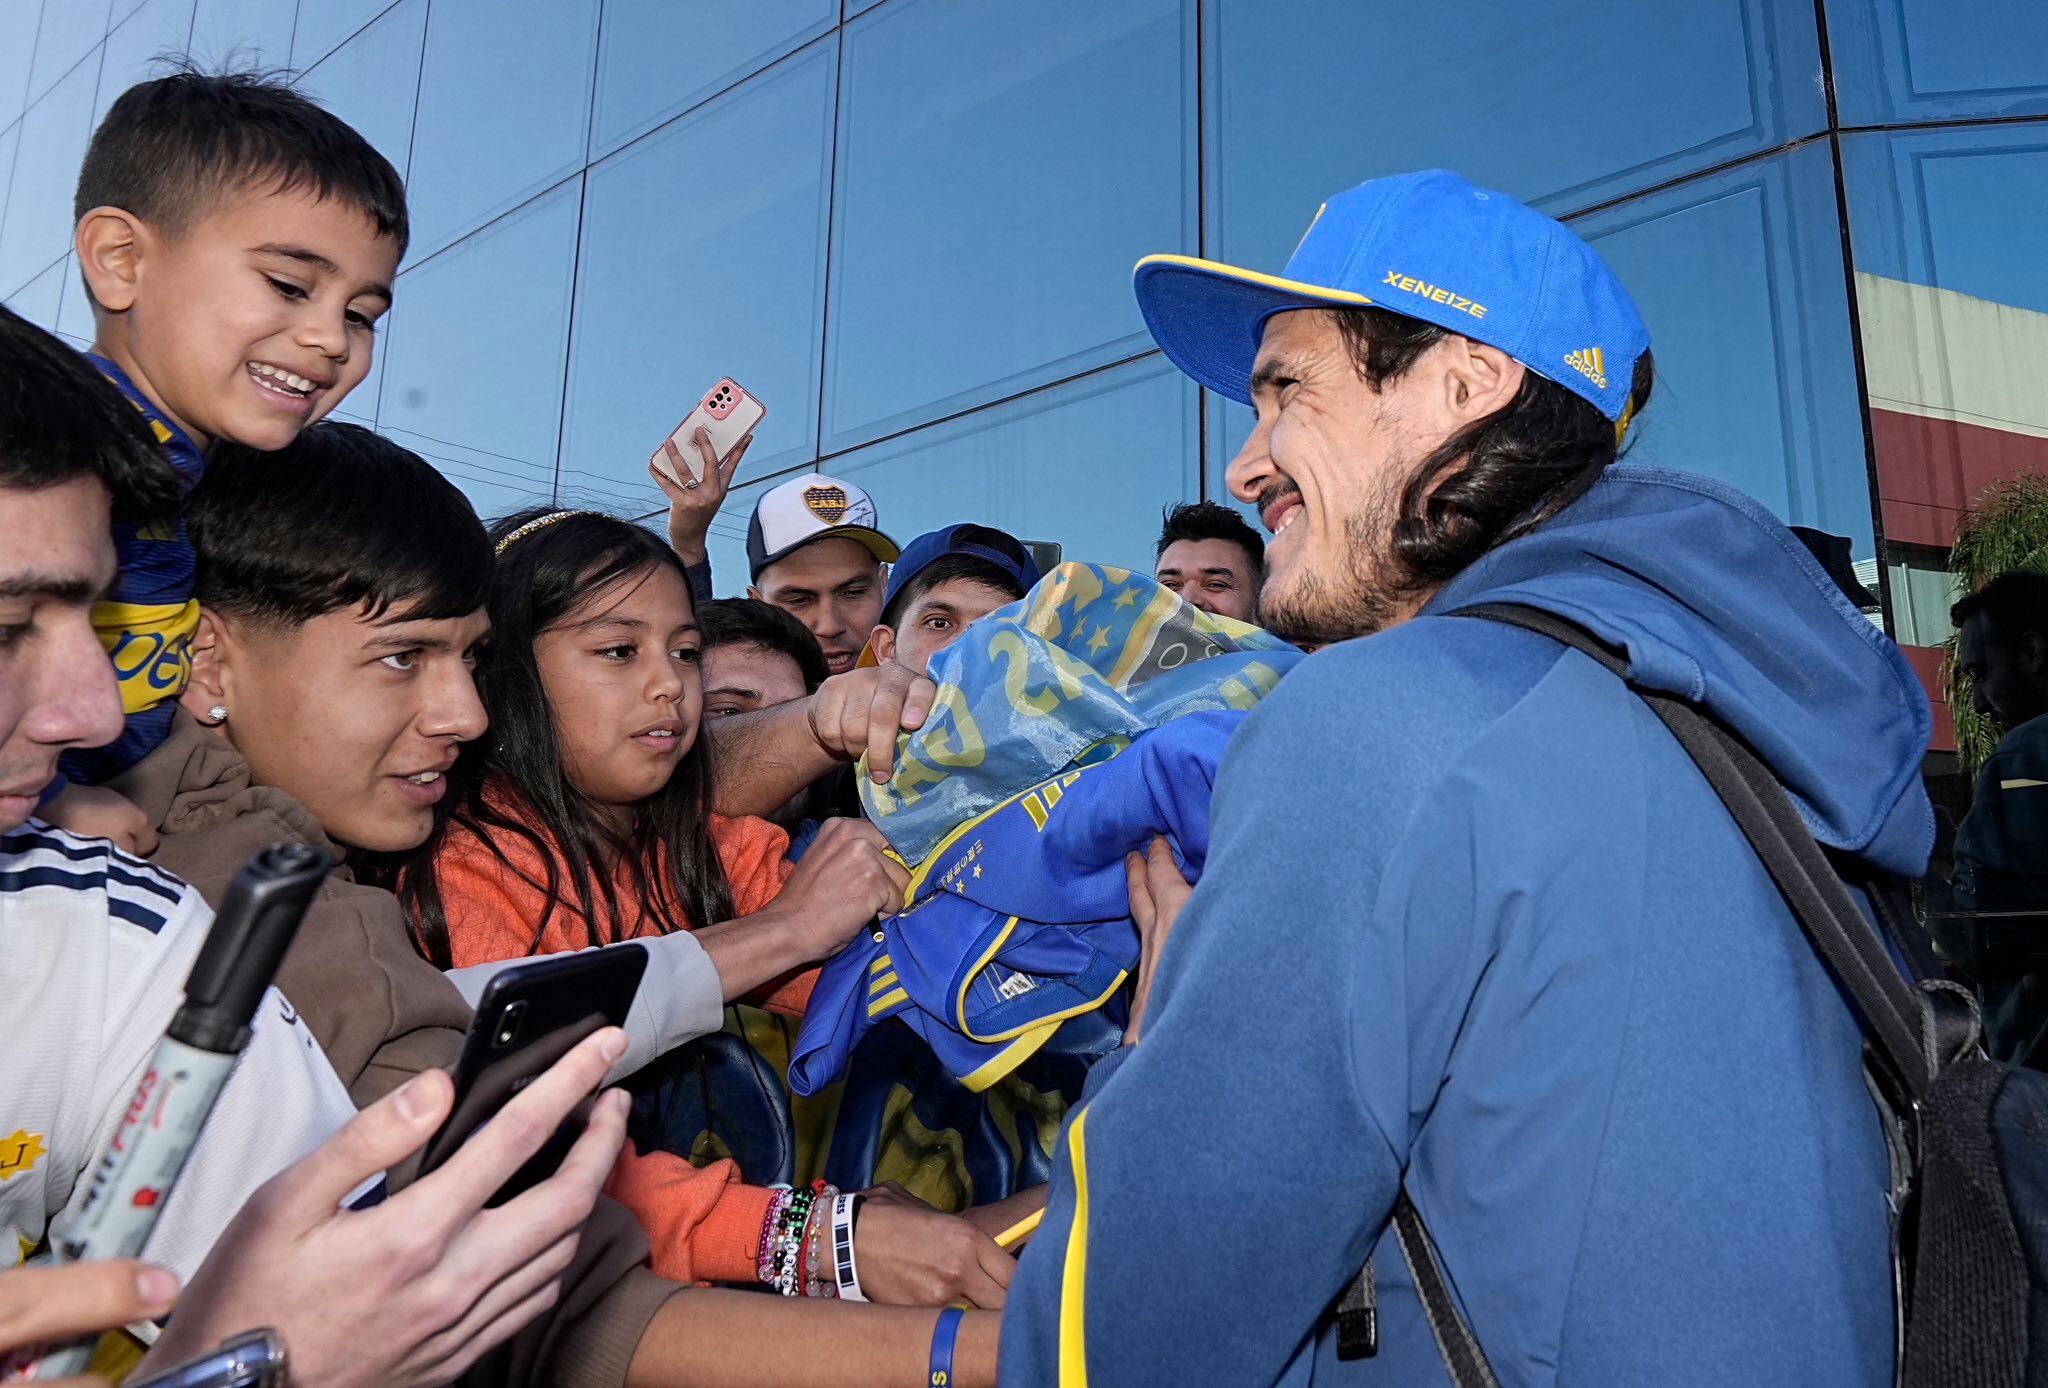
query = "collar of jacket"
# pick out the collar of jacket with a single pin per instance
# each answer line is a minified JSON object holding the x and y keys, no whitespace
{"x":196,"y":780}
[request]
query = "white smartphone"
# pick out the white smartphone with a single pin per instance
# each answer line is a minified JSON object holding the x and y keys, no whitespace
{"x":727,"y":413}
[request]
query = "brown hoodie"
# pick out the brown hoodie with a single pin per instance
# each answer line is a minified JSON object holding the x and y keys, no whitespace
{"x":383,"y":1014}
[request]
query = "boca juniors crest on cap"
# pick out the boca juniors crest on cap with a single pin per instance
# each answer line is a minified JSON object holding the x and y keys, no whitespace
{"x":813,"y":507}
{"x":828,"y":504}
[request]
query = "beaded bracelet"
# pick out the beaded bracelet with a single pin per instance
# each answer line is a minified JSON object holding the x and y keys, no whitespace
{"x":789,"y":1242}
{"x":818,"y":1282}
{"x":764,"y":1264}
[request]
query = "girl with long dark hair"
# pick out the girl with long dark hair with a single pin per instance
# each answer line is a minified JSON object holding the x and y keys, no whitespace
{"x":587,"y":819}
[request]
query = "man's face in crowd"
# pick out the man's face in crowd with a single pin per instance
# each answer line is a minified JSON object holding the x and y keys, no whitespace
{"x":1329,"y":457}
{"x":57,"y":687}
{"x":358,"y":718}
{"x":935,"y":619}
{"x":834,"y":587}
{"x":2010,"y":678}
{"x":1214,"y":575}
{"x":740,"y":677}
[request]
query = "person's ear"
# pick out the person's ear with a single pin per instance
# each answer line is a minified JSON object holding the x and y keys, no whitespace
{"x":110,"y":245}
{"x":1478,"y":380}
{"x":755,"y":593}
{"x":2033,"y":657}
{"x":206,"y":691}
{"x":883,"y":640}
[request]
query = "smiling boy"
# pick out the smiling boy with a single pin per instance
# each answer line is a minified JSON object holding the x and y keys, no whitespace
{"x":238,"y":244}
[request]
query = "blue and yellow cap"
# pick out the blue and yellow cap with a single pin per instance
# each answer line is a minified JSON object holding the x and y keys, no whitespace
{"x":1426,"y":245}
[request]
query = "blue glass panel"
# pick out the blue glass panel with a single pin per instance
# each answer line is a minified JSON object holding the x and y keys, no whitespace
{"x":70,"y":28}
{"x":242,"y":33}
{"x":1088,"y":464}
{"x":137,"y":47}
{"x":727,"y":542}
{"x":1000,"y":169}
{"x":657,"y":58}
{"x":37,"y":300}
{"x":74,"y":315}
{"x":1912,"y":60}
{"x":10,"y":139}
{"x":1740,"y":277}
{"x":504,"y":104}
{"x":474,"y":377}
{"x":18,"y":25}
{"x":323,"y":25}
{"x":676,"y":290}
{"x":1564,"y":103}
{"x":1956,"y":209}
{"x":53,"y":139}
{"x":371,"y":80}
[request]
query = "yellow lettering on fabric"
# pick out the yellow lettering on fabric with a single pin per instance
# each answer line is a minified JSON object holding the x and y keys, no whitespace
{"x":1589,"y":362}
{"x":1435,"y":293}
{"x":151,"y":647}
{"x":1008,"y":647}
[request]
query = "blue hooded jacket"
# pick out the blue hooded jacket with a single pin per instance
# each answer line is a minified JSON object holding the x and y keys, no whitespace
{"x":1470,"y":918}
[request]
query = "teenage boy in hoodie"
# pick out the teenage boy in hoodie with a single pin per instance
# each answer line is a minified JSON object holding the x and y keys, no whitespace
{"x":1472,"y":926}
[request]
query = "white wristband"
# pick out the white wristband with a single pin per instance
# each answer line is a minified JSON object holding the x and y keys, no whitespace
{"x":844,"y":1269}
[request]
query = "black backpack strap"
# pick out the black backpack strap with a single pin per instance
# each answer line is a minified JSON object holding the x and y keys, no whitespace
{"x":1901,"y":1026}
{"x":1358,"y":1310}
{"x":1895,"y":1017}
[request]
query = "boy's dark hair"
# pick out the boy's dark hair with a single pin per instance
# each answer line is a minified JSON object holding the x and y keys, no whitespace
{"x":1494,"y":480}
{"x":751,"y":622}
{"x":945,"y":569}
{"x":2012,"y":605}
{"x":1210,"y":520}
{"x":337,"y":519}
{"x":168,"y":149}
{"x":666,"y":853}
{"x":60,"y":419}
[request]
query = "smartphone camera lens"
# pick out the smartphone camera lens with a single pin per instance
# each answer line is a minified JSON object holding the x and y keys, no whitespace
{"x":508,"y":1023}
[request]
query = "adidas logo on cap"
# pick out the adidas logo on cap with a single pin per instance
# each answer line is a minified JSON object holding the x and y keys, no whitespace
{"x":1589,"y":362}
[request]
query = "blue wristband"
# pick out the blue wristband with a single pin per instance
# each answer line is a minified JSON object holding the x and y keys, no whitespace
{"x":943,"y":1335}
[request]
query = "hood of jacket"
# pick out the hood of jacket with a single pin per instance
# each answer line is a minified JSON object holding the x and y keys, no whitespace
{"x":1716,"y":601}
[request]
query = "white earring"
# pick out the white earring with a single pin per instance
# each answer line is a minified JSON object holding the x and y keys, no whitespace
{"x":218,"y":713}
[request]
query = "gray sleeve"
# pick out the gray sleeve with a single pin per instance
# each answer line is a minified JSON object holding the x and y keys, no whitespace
{"x":681,"y":998}
{"x":700,"y":580}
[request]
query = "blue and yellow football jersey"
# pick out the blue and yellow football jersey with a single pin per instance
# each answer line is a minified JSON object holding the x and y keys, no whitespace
{"x":147,"y":621}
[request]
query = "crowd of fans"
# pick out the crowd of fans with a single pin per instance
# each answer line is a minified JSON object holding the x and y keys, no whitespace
{"x":1469,"y":938}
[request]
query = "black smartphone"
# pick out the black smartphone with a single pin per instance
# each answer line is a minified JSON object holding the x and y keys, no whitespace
{"x":529,"y":1017}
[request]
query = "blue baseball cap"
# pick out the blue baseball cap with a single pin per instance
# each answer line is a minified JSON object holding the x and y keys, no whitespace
{"x":983,"y":542}
{"x":1425,"y":245}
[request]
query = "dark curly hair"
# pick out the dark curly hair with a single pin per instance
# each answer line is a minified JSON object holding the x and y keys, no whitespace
{"x":1496,"y":479}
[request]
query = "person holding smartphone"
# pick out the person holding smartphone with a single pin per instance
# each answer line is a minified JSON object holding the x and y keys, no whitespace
{"x":408,"y":1292}
{"x":341,"y":594}
{"x":94,"y":950}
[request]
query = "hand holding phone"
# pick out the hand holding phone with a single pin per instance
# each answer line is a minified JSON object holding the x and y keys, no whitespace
{"x":529,"y":1017}
{"x":412,"y":1291}
{"x":723,"y":419}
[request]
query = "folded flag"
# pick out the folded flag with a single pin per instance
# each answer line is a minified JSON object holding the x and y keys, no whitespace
{"x":1021,"y":919}
{"x":1070,"y":673}
{"x":1069,"y":728}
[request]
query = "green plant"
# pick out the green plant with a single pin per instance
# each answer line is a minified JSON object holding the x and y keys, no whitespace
{"x":2006,"y":528}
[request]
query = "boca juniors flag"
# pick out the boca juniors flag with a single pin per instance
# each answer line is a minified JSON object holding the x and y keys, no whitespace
{"x":1069,"y":728}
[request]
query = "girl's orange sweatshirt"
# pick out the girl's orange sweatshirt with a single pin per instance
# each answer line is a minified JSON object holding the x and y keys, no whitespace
{"x":702,"y":1223}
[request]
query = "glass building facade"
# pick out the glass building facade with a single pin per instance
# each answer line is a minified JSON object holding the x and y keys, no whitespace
{"x":908,"y":226}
